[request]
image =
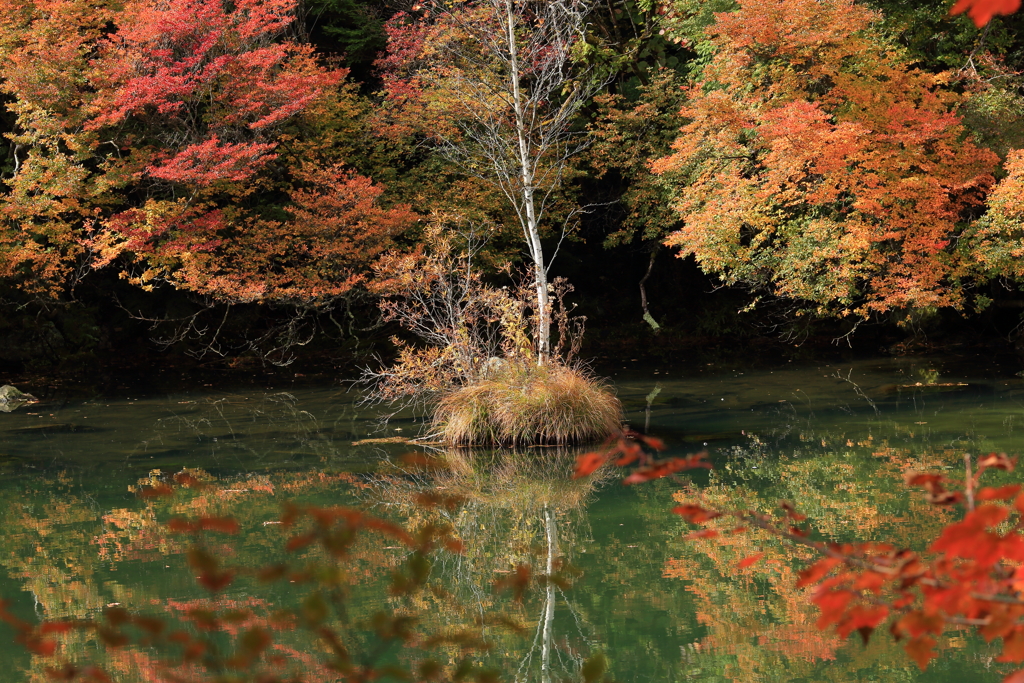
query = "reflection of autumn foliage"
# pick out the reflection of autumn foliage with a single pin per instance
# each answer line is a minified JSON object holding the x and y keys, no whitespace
{"x":311,"y":560}
{"x":968,"y":576}
{"x":747,"y":568}
{"x":763,"y":623}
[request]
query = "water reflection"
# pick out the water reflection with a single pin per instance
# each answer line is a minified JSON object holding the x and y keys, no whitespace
{"x":833,"y":439}
{"x":516,"y":511}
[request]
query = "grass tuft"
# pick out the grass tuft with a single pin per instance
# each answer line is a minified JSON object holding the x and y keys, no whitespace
{"x":522,"y":404}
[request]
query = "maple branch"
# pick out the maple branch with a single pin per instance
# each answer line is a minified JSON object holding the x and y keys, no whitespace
{"x":759,"y":521}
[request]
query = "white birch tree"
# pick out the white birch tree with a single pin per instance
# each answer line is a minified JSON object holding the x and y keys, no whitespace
{"x":505,"y":80}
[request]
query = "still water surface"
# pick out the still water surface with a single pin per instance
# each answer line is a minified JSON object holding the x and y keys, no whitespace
{"x":835,"y":439}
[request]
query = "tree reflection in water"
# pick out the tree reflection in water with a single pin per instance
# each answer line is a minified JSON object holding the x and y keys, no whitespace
{"x":519,"y":513}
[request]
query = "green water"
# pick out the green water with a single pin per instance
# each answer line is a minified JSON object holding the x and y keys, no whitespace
{"x":835,"y":439}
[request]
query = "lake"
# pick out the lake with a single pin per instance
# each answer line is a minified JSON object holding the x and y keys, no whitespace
{"x":835,"y":438}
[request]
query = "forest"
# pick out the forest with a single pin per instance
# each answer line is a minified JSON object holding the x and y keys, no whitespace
{"x":341,"y":318}
{"x":235,"y":186}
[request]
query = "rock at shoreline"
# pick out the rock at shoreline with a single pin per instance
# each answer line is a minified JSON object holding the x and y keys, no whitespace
{"x":12,"y":398}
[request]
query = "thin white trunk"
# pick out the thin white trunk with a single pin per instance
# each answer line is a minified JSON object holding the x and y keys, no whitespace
{"x":526,"y":174}
{"x":547,"y":636}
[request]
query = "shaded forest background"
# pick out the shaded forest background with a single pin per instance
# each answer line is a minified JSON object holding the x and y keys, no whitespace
{"x":187,"y":189}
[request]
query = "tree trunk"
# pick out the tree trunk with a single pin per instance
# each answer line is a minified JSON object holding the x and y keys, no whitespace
{"x":547,"y":636}
{"x":529,"y":210}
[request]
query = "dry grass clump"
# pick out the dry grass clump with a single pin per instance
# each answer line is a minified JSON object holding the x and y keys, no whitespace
{"x":523,"y":404}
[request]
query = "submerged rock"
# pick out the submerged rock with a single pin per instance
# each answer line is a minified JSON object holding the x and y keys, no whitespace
{"x":12,"y":398}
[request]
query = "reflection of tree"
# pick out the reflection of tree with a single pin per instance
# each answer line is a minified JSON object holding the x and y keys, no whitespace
{"x":513,"y":509}
{"x":75,"y":559}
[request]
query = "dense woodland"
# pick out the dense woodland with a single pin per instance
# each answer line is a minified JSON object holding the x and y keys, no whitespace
{"x":231,"y":181}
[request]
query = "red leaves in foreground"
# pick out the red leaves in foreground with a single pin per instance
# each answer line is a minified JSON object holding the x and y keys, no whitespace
{"x":629,"y":447}
{"x":972,"y":574}
{"x":982,"y":11}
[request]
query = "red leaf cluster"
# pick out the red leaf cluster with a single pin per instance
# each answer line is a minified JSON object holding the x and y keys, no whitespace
{"x":627,"y":448}
{"x":982,"y":11}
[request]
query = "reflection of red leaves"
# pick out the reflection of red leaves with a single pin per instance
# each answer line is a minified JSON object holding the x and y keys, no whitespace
{"x":422,"y":461}
{"x":982,"y":11}
{"x":156,"y":491}
{"x":189,"y":481}
{"x":750,"y":560}
{"x":433,"y":499}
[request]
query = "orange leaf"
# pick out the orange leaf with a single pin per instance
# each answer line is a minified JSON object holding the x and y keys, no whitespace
{"x":654,"y":442}
{"x":1001,"y":493}
{"x":695,"y":514}
{"x":862,"y":618}
{"x":982,"y":11}
{"x":996,"y":461}
{"x":216,"y":581}
{"x":1015,"y":677}
{"x":749,"y":560}
{"x":44,"y":648}
{"x":791,"y":511}
{"x":817,"y":571}
{"x":456,"y":546}
{"x":299,"y":542}
{"x":587,"y":463}
{"x":180,"y":525}
{"x":916,"y":624}
{"x":1013,"y":646}
{"x":921,"y":650}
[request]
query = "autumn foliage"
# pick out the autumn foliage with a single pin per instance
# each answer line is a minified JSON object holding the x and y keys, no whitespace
{"x":819,"y":166}
{"x":148,"y":136}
